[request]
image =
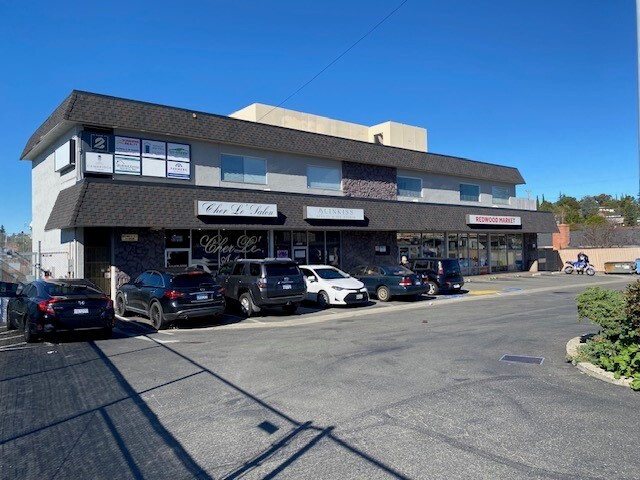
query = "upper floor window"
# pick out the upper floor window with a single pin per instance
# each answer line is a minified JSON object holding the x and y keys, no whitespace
{"x":469,"y":193}
{"x":239,"y":169}
{"x":326,"y":178}
{"x":409,"y":187}
{"x":500,"y":195}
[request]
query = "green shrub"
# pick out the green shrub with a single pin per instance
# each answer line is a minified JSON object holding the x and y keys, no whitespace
{"x":605,"y":308}
{"x":632,"y":306}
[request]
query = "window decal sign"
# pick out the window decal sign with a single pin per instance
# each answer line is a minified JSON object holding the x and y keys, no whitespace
{"x":154,"y":149}
{"x":178,"y":170}
{"x":127,"y":146}
{"x":127,"y":165}
{"x":178,"y":152}
{"x":98,"y":162}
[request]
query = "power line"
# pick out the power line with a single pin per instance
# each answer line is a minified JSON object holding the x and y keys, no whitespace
{"x":335,"y":59}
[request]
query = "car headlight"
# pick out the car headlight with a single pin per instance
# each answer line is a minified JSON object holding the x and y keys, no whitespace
{"x":363,"y":290}
{"x":337,"y":288}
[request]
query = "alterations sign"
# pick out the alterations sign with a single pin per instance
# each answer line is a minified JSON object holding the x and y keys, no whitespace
{"x":333,"y":213}
{"x":498,"y":220}
{"x":229,"y":209}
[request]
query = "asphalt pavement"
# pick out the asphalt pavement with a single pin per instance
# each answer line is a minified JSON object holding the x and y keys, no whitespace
{"x":397,"y":390}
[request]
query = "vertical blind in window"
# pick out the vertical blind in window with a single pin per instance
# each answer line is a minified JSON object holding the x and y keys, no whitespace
{"x":243,"y":169}
{"x":469,"y":193}
{"x":409,"y":187}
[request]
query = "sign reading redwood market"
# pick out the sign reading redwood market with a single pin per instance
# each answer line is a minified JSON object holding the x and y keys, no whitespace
{"x":332,"y":213}
{"x":228,"y":209}
{"x":494,"y":220}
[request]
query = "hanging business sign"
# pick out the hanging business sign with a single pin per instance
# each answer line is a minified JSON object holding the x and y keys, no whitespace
{"x":178,"y":152}
{"x":178,"y":170}
{"x":498,"y":220}
{"x":333,"y":213}
{"x":127,"y":165}
{"x":228,"y":209}
{"x":154,"y":149}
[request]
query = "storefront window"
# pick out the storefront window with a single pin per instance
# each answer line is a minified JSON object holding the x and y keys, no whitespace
{"x":333,"y":248}
{"x":316,"y":248}
{"x":473,"y":254}
{"x":463,"y":253}
{"x":453,"y":245}
{"x":213,"y":248}
{"x":409,"y":244}
{"x":282,"y":243}
{"x":499,"y":261}
{"x":177,"y":239}
{"x":514,"y":252}
{"x":483,"y":253}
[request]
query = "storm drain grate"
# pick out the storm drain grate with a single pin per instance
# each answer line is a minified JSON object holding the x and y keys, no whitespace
{"x":522,"y":359}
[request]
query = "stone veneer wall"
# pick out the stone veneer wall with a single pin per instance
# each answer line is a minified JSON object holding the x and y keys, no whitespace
{"x":133,"y":258}
{"x":369,"y":181}
{"x":360,"y":248}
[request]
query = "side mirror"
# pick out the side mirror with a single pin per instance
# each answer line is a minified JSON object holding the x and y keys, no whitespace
{"x":312,"y":279}
{"x":137,"y":284}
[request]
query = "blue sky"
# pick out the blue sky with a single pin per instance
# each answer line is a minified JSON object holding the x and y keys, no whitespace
{"x":548,"y":87}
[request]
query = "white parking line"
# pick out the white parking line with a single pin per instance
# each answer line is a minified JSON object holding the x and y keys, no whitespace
{"x":9,"y":338}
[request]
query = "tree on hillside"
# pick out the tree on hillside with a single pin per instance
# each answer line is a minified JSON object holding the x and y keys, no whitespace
{"x":629,"y":209}
{"x":568,"y":210}
{"x":3,"y":236}
{"x":604,"y":200}
{"x":589,"y":206}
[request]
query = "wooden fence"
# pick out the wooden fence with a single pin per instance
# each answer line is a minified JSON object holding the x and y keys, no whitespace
{"x":599,"y":256}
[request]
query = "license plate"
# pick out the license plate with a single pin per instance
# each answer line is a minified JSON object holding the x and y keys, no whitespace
{"x":418,"y":282}
{"x":286,"y":287}
{"x":80,"y":311}
{"x":457,"y":285}
{"x":202,"y":296}
{"x":359,"y":296}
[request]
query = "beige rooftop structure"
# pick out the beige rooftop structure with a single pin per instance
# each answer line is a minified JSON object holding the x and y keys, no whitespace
{"x":392,"y":134}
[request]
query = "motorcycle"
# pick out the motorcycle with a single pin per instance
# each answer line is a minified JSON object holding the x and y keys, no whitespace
{"x":579,"y":267}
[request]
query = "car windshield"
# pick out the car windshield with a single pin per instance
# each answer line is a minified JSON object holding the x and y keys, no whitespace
{"x":281,"y":269}
{"x":330,"y":273}
{"x":395,"y":270}
{"x":67,"y":289}
{"x":194,"y":279}
{"x":451,"y":266}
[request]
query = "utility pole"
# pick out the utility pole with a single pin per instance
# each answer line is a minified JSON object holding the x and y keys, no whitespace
{"x":638,"y":61}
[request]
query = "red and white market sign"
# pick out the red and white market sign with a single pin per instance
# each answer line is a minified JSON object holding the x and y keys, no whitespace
{"x":494,"y":220}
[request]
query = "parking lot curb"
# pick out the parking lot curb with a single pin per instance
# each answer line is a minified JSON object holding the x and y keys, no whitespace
{"x":591,"y":369}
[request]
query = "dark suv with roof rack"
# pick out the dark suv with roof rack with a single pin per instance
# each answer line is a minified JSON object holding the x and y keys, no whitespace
{"x":166,"y":296}
{"x":263,"y":283}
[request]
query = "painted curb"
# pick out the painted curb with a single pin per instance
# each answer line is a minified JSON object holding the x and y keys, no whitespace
{"x":592,"y":370}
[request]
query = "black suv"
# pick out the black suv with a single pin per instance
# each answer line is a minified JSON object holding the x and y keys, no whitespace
{"x":166,"y":296}
{"x":441,"y":274}
{"x":263,"y":283}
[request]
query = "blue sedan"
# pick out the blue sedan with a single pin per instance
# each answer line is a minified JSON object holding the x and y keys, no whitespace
{"x":386,"y":281}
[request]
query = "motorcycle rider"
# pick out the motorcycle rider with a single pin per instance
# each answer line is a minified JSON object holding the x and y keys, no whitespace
{"x":583,"y":262}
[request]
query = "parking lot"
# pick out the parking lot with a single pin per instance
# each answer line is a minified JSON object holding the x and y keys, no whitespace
{"x":390,"y":390}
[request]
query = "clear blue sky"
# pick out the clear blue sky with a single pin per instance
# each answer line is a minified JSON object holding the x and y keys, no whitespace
{"x":548,"y":86}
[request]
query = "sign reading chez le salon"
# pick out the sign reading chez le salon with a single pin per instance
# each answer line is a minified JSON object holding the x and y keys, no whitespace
{"x":333,"y":213}
{"x":494,"y":220}
{"x":229,"y":209}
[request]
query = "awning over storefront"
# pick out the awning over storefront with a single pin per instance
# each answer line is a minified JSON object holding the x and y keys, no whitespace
{"x":108,"y":203}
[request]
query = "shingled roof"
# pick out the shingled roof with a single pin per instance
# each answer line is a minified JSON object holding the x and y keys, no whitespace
{"x":109,"y":203}
{"x":86,"y":108}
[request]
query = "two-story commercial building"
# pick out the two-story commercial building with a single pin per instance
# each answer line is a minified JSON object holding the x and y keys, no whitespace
{"x":139,"y":185}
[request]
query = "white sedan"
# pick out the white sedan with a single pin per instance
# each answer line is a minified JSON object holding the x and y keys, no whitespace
{"x":330,"y":286}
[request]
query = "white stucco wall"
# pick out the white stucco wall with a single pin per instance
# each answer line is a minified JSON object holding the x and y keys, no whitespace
{"x":46,"y":184}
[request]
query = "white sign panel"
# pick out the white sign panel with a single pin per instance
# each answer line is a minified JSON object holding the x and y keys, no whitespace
{"x":154,"y":149}
{"x":154,"y":168}
{"x":493,"y":220}
{"x":178,"y":170}
{"x":127,"y":165}
{"x":64,"y":155}
{"x":228,"y":209}
{"x":127,"y":146}
{"x":178,"y":152}
{"x":98,"y":162}
{"x":333,"y":213}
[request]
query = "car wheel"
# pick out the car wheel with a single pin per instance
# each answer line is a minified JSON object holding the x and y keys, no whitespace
{"x":28,"y":336}
{"x":291,"y":308}
{"x":246,"y":304}
{"x":121,"y":306}
{"x":156,"y":315}
{"x":323,"y":299}
{"x":432,"y":288}
{"x":384,"y":294}
{"x":10,"y":325}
